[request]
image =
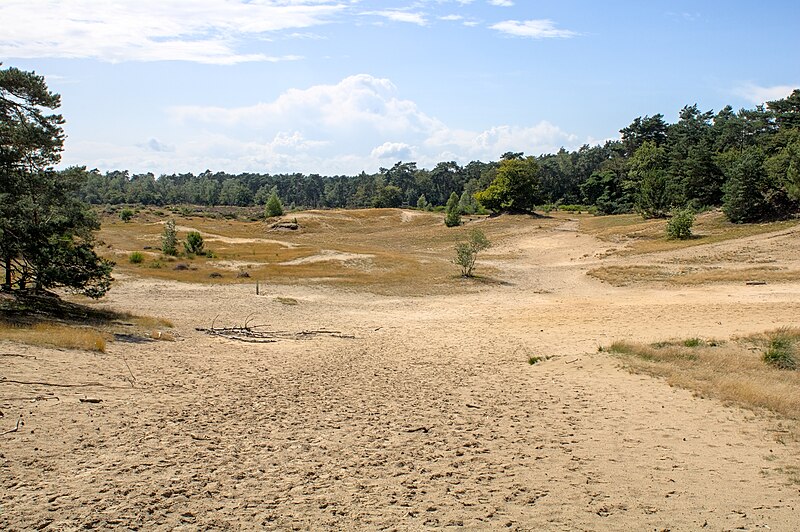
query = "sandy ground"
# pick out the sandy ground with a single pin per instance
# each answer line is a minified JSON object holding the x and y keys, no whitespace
{"x":430,"y":417}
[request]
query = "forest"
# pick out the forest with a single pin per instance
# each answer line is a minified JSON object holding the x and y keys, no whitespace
{"x":747,"y":162}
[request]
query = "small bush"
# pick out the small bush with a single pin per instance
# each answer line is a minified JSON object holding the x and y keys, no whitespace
{"x":136,"y":257}
{"x":215,"y":275}
{"x":680,"y":225}
{"x":126,"y":215}
{"x":780,"y":352}
{"x":693,"y":342}
{"x":181,"y":266}
{"x":194,"y":243}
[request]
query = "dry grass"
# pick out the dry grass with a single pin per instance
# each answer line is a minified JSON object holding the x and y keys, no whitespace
{"x":732,"y":371}
{"x":687,"y":275}
{"x":54,"y":335}
{"x":649,"y":236}
{"x":49,"y":321}
{"x":388,"y":251}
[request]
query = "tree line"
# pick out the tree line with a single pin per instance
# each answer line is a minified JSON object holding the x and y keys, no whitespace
{"x":747,"y":162}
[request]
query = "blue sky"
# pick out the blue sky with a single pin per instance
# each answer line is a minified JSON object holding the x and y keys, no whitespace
{"x":340,"y":86}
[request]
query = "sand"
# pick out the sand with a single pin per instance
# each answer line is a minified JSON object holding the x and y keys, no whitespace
{"x":430,"y":417}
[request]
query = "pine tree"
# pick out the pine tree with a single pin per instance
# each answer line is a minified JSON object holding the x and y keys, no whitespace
{"x":452,"y":217}
{"x":46,"y":231}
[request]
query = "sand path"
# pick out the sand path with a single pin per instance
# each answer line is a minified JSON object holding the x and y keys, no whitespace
{"x":429,"y":418}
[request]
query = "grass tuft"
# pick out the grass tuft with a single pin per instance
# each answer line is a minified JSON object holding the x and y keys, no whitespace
{"x":780,"y":352}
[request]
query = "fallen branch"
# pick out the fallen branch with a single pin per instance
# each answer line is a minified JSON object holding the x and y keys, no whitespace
{"x":92,"y":400}
{"x":16,"y":355}
{"x":253,"y":334}
{"x":59,"y":385}
{"x":420,"y":429}
{"x":15,"y":429}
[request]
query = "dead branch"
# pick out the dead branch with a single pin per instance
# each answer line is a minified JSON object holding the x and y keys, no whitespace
{"x":16,"y":355}
{"x":15,"y":429}
{"x":256,"y":333}
{"x":59,"y":385}
{"x":133,"y":379}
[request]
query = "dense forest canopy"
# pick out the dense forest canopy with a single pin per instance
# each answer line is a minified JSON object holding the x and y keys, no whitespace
{"x":747,"y":162}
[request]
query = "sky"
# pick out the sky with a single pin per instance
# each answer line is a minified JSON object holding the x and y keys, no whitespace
{"x":344,"y":86}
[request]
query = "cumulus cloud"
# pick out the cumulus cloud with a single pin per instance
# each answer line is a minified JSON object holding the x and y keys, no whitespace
{"x":533,"y":29}
{"x":343,"y":128}
{"x":759,"y":95}
{"x":203,"y":31}
{"x":392,"y":150}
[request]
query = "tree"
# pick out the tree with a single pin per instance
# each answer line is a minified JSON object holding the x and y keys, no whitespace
{"x":274,"y":206}
{"x":515,"y":187}
{"x":750,"y":194}
{"x":452,"y":216}
{"x":46,"y":231}
{"x":169,"y":239}
{"x":467,"y":252}
{"x":422,"y":203}
{"x":388,"y":197}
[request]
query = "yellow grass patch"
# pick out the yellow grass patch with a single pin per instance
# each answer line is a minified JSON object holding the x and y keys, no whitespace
{"x":686,"y":275}
{"x":55,"y":335}
{"x":732,"y":371}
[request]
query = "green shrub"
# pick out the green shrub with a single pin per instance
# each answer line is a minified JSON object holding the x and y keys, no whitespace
{"x":125,"y":215}
{"x":780,"y":352}
{"x":680,"y":225}
{"x":136,"y":257}
{"x":194,"y":243}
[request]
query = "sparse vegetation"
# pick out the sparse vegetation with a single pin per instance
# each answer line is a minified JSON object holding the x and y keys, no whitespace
{"x":731,"y":371}
{"x":136,"y":257}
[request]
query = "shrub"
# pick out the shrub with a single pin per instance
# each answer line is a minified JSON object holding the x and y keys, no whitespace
{"x":194,"y":243}
{"x":680,"y":225}
{"x":136,"y":257}
{"x":467,"y":252}
{"x":125,"y":215}
{"x":780,"y":352}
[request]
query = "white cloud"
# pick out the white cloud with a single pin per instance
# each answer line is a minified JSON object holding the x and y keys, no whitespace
{"x":392,"y":150}
{"x":759,"y":95}
{"x":203,"y":31}
{"x":397,"y":15}
{"x":343,"y":128}
{"x":501,"y":3}
{"x":534,"y":29}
